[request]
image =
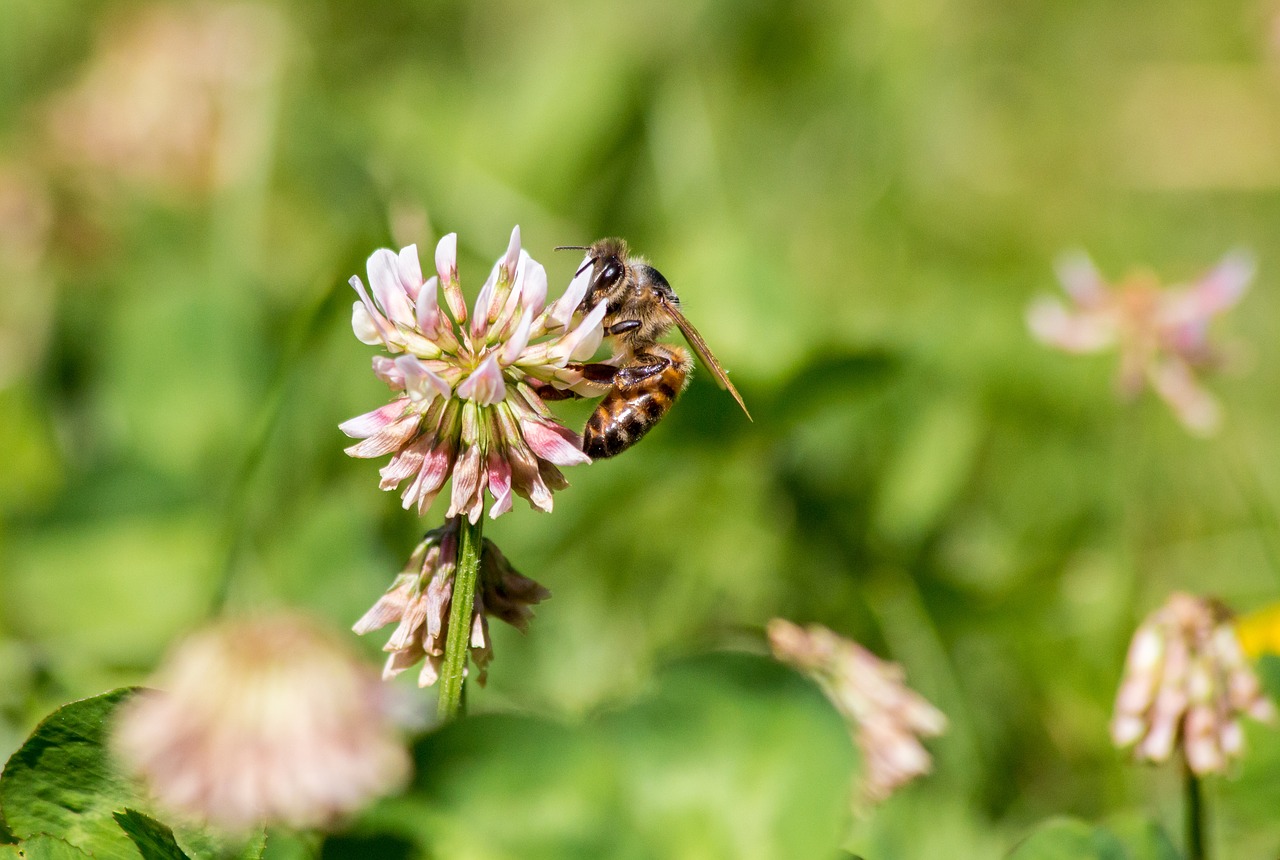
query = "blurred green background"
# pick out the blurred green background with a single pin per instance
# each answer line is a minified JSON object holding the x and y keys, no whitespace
{"x":855,"y":202}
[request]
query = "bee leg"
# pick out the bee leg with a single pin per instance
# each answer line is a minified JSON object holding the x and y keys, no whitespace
{"x":600,"y":373}
{"x":645,"y":366}
{"x":596,"y":372}
{"x":622,"y":327}
{"x":547,"y":391}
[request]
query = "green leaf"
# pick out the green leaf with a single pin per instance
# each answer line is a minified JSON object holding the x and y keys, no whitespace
{"x":63,"y":782}
{"x":45,"y":847}
{"x":1143,"y":838}
{"x":154,"y":840}
{"x":733,"y":756}
{"x":728,"y":756}
{"x":289,"y":844}
{"x":1069,"y":839}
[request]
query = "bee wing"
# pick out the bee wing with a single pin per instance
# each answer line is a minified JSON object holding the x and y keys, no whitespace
{"x":704,"y":353}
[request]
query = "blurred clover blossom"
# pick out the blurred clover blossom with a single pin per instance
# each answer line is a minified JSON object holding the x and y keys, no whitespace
{"x":420,"y":599}
{"x":178,"y":98}
{"x":1161,"y":333}
{"x":1186,"y":684}
{"x":887,"y":718}
{"x":265,"y":720}
{"x":465,"y":403}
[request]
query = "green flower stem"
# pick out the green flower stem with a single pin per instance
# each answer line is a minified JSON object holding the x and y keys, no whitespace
{"x":458,"y":643}
{"x":1195,"y":814}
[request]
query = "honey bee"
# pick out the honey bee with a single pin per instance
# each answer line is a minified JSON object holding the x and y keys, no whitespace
{"x":648,"y":376}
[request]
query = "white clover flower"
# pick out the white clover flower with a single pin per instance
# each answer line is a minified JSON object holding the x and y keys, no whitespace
{"x":421,"y":597}
{"x":1162,"y":334}
{"x":267,"y":720}
{"x":886,"y":717}
{"x":465,"y":403}
{"x":1186,"y":684}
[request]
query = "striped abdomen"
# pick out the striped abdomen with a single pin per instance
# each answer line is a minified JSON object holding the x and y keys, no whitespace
{"x":629,"y":411}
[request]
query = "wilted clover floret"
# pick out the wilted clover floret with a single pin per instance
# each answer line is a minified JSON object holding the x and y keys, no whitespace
{"x":886,"y":717}
{"x":1186,"y":685}
{"x":421,"y":598}
{"x":465,"y":403}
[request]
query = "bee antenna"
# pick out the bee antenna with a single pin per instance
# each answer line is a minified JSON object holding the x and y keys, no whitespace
{"x":586,"y":265}
{"x":573,"y":247}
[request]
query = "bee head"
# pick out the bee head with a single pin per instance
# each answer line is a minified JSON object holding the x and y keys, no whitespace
{"x":650,"y":279}
{"x":608,"y":260}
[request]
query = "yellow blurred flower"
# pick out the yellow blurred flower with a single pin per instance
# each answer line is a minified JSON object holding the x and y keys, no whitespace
{"x":1259,"y":631}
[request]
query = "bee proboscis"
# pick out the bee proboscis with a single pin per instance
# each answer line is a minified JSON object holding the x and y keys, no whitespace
{"x":647,"y":376}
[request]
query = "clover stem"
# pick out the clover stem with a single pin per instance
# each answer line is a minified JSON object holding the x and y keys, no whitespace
{"x":458,"y":640}
{"x":1194,"y":814}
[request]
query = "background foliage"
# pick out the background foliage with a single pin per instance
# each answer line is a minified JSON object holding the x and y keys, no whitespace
{"x":855,"y":202}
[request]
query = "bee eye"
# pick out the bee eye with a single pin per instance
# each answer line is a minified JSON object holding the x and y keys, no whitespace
{"x":611,"y":273}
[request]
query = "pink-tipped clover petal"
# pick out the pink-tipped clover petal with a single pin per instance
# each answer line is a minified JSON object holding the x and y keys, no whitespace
{"x":364,"y":426}
{"x":1225,"y":284}
{"x":554,"y":443}
{"x":499,"y":484}
{"x":509,"y":260}
{"x":518,"y":340}
{"x":467,"y":484}
{"x":409,"y":267}
{"x":447,"y":258}
{"x":1219,"y":290}
{"x":1054,"y":325}
{"x":1191,"y":403}
{"x":1081,"y":279}
{"x":427,"y":309}
{"x":366,"y":330}
{"x":526,"y":478}
{"x":587,"y":336}
{"x":390,"y":438}
{"x":388,"y":608}
{"x":480,"y":316}
{"x":388,"y":290}
{"x":385,"y":369}
{"x":421,"y":384}
{"x":447,"y":270}
{"x":533,"y":289}
{"x":581,"y":343}
{"x":562,"y":311}
{"x":372,"y":316}
{"x":486,"y":385}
